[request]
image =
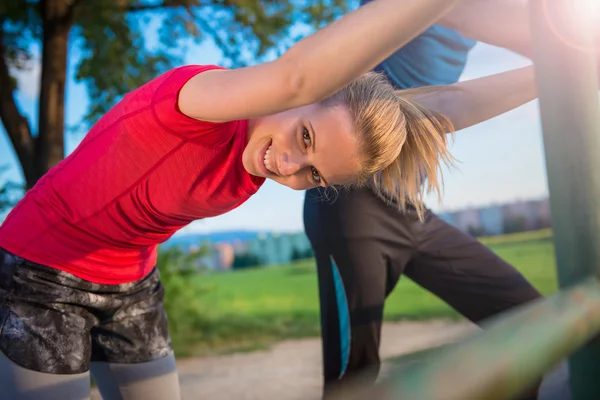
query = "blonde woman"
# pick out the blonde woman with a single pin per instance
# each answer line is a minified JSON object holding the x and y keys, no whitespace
{"x":78,"y":287}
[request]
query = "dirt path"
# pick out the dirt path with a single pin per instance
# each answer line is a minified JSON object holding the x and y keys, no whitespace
{"x":291,"y":370}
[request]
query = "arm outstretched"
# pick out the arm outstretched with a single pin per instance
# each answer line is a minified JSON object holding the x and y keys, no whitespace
{"x":470,"y":102}
{"x":316,"y":67}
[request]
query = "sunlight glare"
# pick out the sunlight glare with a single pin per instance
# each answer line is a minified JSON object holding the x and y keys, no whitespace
{"x":589,"y":10}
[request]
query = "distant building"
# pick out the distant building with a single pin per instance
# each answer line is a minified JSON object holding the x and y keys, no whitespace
{"x":447,"y":217}
{"x":466,"y":220}
{"x":545,"y":219}
{"x":223,"y":255}
{"x":499,"y":219}
{"x":278,"y":248}
{"x":301,"y":243}
{"x":528,"y":215}
{"x":491,"y":220}
{"x":240,"y":246}
{"x":282,"y":248}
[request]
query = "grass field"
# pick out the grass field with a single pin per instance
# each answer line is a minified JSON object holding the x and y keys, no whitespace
{"x":250,"y":308}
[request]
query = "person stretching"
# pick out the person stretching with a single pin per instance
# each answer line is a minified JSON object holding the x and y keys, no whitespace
{"x":363,"y":244}
{"x":79,"y":290}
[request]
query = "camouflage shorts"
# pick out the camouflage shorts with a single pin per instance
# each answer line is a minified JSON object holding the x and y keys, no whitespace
{"x":53,"y":322}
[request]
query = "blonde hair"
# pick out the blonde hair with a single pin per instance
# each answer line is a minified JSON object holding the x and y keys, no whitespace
{"x":403,"y":144}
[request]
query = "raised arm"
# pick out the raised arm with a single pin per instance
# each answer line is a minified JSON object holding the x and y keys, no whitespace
{"x":503,"y":23}
{"x":315,"y":67}
{"x":470,"y":102}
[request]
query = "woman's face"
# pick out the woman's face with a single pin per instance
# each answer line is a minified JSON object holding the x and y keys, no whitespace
{"x":304,"y":147}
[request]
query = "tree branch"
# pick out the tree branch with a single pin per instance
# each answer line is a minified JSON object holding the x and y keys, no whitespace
{"x":215,"y":35}
{"x":71,"y":10}
{"x":16,"y":125}
{"x":149,"y":7}
{"x":165,"y":4}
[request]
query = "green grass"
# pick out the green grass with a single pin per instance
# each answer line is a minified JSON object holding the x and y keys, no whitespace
{"x":249,"y":309}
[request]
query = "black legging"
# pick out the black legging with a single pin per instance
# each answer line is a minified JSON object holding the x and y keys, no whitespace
{"x":363,"y":246}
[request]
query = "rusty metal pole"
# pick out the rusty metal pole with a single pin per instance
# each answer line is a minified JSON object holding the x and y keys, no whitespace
{"x":567,"y":79}
{"x":501,"y":361}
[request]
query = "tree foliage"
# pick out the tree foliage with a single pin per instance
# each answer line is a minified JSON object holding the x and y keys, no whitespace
{"x":246,"y":260}
{"x":183,"y":294}
{"x":120,"y":44}
{"x":10,"y":191}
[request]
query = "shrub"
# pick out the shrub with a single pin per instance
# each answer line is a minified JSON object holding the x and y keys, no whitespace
{"x":182,"y":292}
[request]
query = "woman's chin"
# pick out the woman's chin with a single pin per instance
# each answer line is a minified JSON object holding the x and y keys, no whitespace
{"x":274,"y":179}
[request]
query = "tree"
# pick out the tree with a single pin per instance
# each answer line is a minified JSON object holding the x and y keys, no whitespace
{"x":10,"y":191}
{"x":182,"y":292}
{"x":298,"y":254}
{"x":476,"y":231}
{"x":309,"y":253}
{"x":514,"y":224}
{"x":246,"y":260}
{"x":116,"y":56}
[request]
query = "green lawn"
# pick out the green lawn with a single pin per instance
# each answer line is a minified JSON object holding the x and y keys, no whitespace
{"x":250,"y":308}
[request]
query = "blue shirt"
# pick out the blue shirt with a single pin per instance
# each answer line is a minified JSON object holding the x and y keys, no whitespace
{"x":435,"y":57}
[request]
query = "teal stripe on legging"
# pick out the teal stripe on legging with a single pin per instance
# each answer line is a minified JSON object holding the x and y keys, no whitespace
{"x":343,"y":317}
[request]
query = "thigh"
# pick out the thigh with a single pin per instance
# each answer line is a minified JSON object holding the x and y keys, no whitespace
{"x":355,"y":214}
{"x":137,"y":330}
{"x":152,"y":380}
{"x":42,"y":328}
{"x":466,"y":274}
{"x":20,"y":383}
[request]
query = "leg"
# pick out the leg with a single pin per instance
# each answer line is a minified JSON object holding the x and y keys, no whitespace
{"x":352,"y":293}
{"x":156,"y":379}
{"x":466,"y":274}
{"x":131,"y":349}
{"x":44,"y":338}
{"x":355,"y":275}
{"x":20,"y":383}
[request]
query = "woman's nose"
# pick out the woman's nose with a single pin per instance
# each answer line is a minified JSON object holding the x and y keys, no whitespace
{"x":290,"y":164}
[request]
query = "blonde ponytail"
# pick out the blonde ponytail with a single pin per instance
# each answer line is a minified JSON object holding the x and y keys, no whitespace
{"x":403,"y":144}
{"x":417,"y":169}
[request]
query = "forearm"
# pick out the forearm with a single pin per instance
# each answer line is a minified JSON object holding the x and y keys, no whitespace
{"x":503,"y":23}
{"x":471,"y":102}
{"x":355,"y":45}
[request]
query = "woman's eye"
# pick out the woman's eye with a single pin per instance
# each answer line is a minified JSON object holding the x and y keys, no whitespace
{"x":315,"y":174}
{"x":306,"y":137}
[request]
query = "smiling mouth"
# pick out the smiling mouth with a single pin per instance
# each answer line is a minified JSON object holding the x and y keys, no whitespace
{"x":265,"y":162}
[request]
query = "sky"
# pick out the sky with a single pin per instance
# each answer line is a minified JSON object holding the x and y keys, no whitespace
{"x":499,"y":161}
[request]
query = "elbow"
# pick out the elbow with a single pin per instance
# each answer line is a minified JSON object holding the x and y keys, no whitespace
{"x":295,"y":83}
{"x":299,"y":95}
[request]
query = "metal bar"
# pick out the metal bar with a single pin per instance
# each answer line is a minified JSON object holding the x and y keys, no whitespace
{"x":506,"y":357}
{"x":568,"y":91}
